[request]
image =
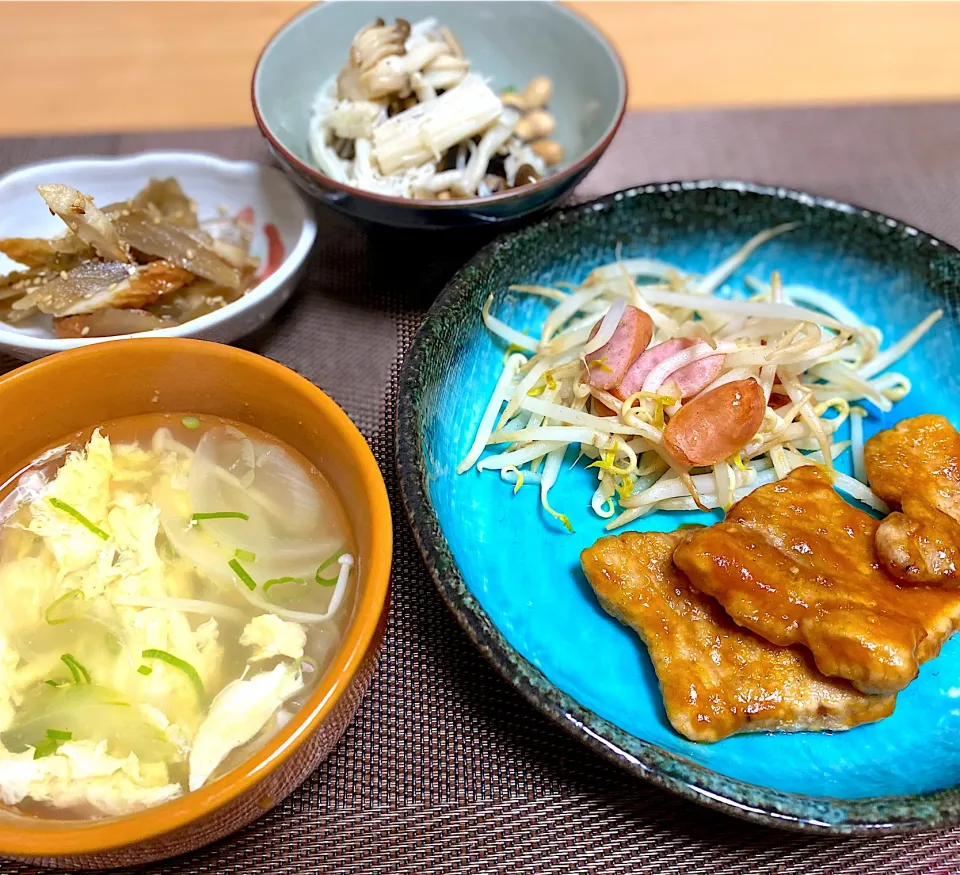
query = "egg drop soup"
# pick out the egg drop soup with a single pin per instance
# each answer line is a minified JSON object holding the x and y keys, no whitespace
{"x":172,"y":587}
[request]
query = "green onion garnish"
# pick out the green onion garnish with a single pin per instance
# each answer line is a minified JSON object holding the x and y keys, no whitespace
{"x":76,"y":669}
{"x":50,"y":614}
{"x":246,"y":555}
{"x":79,"y":517}
{"x":190,"y":422}
{"x":145,"y":670}
{"x":59,"y":735}
{"x":220,"y":515}
{"x":328,"y":581}
{"x":181,"y":664}
{"x":277,"y":580}
{"x":55,"y":684}
{"x":239,"y":570}
{"x":45,"y":748}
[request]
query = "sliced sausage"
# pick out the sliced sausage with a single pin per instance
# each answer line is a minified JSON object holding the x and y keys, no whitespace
{"x":691,"y":379}
{"x":608,"y":364}
{"x":598,"y":408}
{"x":715,"y":425}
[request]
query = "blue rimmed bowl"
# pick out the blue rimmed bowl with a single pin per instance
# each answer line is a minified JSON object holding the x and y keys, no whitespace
{"x":512,"y":577}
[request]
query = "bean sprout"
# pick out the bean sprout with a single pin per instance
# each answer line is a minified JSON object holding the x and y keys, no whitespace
{"x":812,"y":356}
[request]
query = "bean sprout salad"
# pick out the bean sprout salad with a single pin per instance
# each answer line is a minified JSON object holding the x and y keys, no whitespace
{"x":681,"y":398}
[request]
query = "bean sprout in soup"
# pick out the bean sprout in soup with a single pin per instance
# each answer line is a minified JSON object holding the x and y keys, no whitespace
{"x":172,"y":588}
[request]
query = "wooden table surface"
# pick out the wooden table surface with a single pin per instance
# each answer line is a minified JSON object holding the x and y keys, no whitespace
{"x":82,"y":66}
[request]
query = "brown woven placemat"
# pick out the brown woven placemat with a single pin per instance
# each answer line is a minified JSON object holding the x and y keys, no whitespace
{"x":445,"y":769}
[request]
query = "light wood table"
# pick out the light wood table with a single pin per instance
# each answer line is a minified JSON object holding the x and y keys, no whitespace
{"x":80,"y":66}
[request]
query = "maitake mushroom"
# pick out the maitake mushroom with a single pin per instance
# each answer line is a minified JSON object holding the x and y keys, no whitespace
{"x":370,"y":46}
{"x":382,"y":64}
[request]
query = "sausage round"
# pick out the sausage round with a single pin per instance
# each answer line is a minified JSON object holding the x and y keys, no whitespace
{"x":715,"y":425}
{"x":691,"y":379}
{"x":607,"y":366}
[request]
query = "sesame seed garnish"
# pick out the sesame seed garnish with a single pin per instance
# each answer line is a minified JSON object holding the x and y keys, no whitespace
{"x":85,"y":330}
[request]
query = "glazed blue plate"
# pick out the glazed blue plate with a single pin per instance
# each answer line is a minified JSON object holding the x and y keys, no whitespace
{"x":512,"y":575}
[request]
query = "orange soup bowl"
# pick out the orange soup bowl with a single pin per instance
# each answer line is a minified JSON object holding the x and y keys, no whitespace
{"x":48,"y":400}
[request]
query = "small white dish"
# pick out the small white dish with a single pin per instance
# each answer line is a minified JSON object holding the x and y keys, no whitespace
{"x":280,"y":216}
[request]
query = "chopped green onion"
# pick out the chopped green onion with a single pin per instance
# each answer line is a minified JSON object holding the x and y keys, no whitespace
{"x":246,"y":555}
{"x":79,"y":517}
{"x":509,"y":89}
{"x":55,"y":684}
{"x":45,"y":748}
{"x":76,"y":669}
{"x":220,"y":515}
{"x":328,"y":581}
{"x":145,"y":670}
{"x":181,"y":664}
{"x":685,"y":526}
{"x":59,"y":735}
{"x":238,"y":569}
{"x":190,"y":422}
{"x":277,"y":580}
{"x":50,"y":614}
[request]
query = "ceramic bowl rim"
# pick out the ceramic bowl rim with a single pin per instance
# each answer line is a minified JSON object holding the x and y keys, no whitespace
{"x":58,"y":839}
{"x":588,"y":158}
{"x":274,"y":284}
{"x":791,"y":811}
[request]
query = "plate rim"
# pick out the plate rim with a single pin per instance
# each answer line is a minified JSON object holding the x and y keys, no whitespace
{"x":797,"y":812}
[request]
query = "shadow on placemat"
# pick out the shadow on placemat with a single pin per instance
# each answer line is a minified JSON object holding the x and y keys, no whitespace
{"x":446,"y":769}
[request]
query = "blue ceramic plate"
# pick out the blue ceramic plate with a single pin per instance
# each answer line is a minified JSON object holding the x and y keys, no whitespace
{"x":512,"y":575}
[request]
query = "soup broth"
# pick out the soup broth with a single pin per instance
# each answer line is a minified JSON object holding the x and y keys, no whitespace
{"x":172,"y":587}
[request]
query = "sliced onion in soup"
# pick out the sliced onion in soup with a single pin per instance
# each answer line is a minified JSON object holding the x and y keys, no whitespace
{"x":191,"y":542}
{"x":279,"y":511}
{"x":88,"y":712}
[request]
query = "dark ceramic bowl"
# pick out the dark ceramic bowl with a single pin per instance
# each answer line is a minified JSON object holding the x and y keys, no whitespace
{"x":508,"y":42}
{"x":511,"y":574}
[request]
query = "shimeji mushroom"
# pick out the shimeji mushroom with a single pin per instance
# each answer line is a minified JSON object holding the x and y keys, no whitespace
{"x":423,"y":89}
{"x":522,"y":167}
{"x":491,"y":141}
{"x":549,"y":150}
{"x":446,"y":71}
